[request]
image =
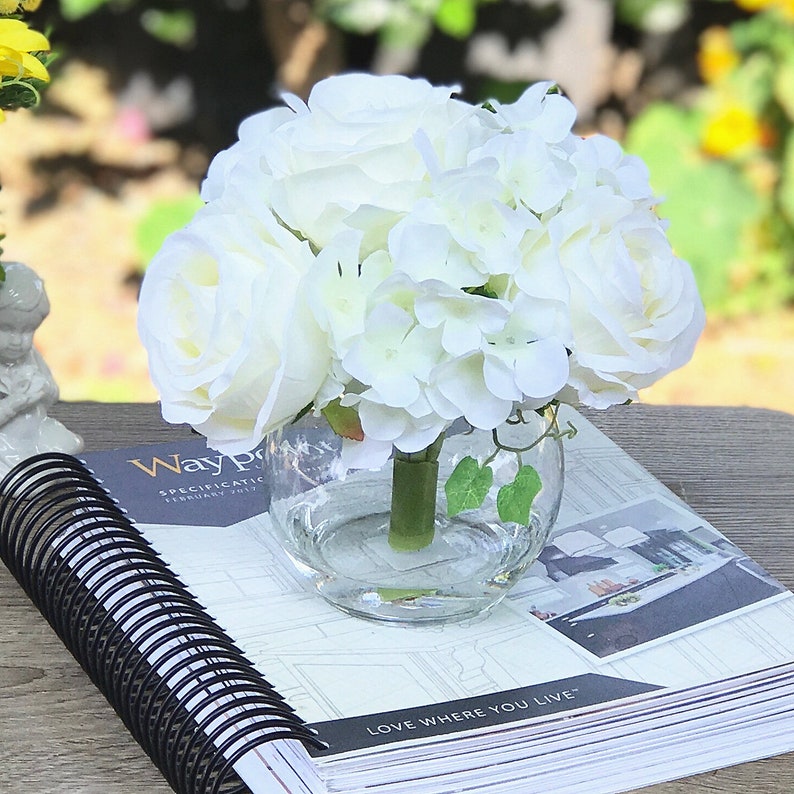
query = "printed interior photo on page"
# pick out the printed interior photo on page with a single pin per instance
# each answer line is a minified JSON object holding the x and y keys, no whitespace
{"x":634,"y":575}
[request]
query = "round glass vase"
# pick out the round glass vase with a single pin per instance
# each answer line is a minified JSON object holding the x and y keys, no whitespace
{"x":338,"y":526}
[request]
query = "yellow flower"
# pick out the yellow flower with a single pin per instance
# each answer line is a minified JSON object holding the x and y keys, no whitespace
{"x":731,"y":130}
{"x":786,"y":7}
{"x":716,"y":56}
{"x":754,"y":5}
{"x":15,"y":33}
{"x":12,"y":6}
{"x":17,"y":41}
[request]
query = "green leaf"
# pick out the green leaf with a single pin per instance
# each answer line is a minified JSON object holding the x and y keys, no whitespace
{"x":161,"y":219}
{"x":457,"y":17}
{"x":784,"y":86}
{"x":401,"y":594}
{"x":786,"y":185}
{"x":76,"y":9}
{"x":344,"y":420}
{"x":176,"y":27}
{"x":514,"y":500}
{"x":652,"y":16}
{"x":467,"y":486}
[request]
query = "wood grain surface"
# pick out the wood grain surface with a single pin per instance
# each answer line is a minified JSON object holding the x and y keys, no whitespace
{"x":735,"y":466}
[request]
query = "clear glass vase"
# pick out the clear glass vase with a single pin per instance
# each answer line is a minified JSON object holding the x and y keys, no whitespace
{"x":335,"y":524}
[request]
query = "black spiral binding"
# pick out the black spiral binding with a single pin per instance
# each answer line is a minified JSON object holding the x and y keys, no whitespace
{"x":182,"y":688}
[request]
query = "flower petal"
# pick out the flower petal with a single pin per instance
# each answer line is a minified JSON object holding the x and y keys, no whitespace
{"x":16,"y":34}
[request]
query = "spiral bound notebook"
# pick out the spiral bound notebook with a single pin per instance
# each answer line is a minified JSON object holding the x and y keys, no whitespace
{"x":642,"y":646}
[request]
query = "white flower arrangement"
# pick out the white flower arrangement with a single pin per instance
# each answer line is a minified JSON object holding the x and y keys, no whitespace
{"x":397,"y":258}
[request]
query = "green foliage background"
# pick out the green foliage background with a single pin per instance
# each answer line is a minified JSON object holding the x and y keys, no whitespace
{"x":732,"y":212}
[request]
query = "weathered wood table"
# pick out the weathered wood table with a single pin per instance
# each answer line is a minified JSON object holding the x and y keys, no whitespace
{"x":57,"y":733}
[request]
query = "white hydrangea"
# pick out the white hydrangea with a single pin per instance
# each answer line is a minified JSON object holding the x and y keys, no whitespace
{"x":531,"y":173}
{"x":464,"y":319}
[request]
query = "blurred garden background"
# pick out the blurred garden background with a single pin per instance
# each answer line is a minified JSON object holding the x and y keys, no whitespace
{"x":144,"y":92}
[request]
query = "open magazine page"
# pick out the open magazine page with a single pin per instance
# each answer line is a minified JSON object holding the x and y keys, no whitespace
{"x":633,"y":594}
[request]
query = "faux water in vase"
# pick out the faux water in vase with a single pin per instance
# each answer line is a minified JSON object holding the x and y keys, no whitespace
{"x":364,"y":537}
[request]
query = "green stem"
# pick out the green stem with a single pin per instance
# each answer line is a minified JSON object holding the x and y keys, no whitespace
{"x":413,"y":498}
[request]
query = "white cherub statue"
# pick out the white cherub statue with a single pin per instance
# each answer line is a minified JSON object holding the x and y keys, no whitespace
{"x":27,"y":388}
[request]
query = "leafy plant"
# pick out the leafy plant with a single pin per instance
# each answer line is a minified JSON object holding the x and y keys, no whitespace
{"x":468,"y":485}
{"x":734,"y":145}
{"x":175,"y":26}
{"x":76,"y":9}
{"x":402,"y":23}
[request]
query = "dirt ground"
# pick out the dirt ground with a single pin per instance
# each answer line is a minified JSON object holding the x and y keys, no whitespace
{"x":74,"y":222}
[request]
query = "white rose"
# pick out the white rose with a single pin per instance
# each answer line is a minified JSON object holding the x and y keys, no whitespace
{"x":635,"y":310}
{"x":364,"y":143}
{"x":373,"y":117}
{"x":233,"y":348}
{"x":240,"y":166}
